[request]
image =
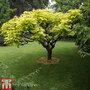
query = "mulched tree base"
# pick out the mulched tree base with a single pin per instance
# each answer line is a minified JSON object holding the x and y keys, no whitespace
{"x":45,"y":61}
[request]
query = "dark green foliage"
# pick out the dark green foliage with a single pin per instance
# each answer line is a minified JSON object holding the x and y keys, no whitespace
{"x":27,"y":5}
{"x":83,"y":31}
{"x":4,"y":16}
{"x":83,"y":40}
{"x":86,"y":13}
{"x":1,"y":39}
{"x":4,"y":11}
{"x":65,"y":5}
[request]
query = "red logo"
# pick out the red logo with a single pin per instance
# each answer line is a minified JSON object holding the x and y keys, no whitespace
{"x":6,"y":83}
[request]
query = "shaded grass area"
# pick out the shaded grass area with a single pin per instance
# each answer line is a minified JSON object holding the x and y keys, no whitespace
{"x":71,"y":73}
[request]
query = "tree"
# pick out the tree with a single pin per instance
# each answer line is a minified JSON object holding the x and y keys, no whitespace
{"x":4,"y":15}
{"x":27,"y":5}
{"x":43,"y":26}
{"x":83,"y":39}
{"x":4,"y":11}
{"x":65,"y":5}
{"x":86,"y":13}
{"x":83,"y":31}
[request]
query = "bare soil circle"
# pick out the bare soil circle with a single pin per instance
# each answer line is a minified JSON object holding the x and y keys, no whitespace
{"x":44,"y":60}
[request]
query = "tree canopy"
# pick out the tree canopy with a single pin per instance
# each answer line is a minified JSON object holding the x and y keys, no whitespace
{"x":4,"y":15}
{"x":27,"y":5}
{"x":43,"y":26}
{"x":65,"y":5}
{"x":83,"y":31}
{"x":4,"y":11}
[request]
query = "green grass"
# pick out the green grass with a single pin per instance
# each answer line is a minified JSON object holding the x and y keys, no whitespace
{"x":71,"y":73}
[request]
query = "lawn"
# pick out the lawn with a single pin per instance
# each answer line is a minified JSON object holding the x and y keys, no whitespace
{"x":71,"y":73}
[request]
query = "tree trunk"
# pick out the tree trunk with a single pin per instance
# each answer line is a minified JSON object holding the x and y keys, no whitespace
{"x":49,"y":51}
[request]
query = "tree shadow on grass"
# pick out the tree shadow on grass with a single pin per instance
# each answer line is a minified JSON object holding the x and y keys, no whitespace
{"x":27,"y":63}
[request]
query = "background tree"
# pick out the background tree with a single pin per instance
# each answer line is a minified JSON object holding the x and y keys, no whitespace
{"x":65,"y":5}
{"x":86,"y":12}
{"x":4,"y":15}
{"x":4,"y":11}
{"x":43,"y":26}
{"x":83,"y":39}
{"x":83,"y":31}
{"x":27,"y":5}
